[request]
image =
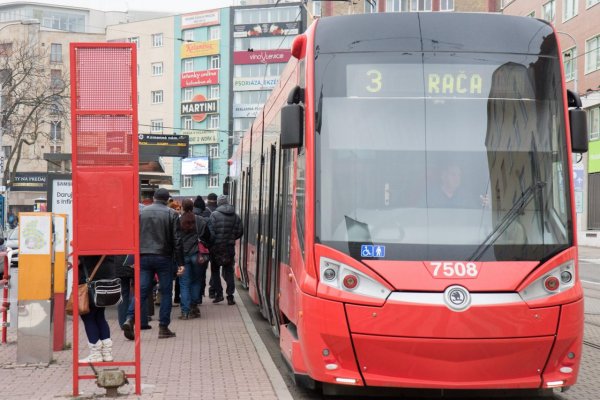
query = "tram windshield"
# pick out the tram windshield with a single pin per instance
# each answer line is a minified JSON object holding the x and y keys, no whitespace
{"x":441,"y":156}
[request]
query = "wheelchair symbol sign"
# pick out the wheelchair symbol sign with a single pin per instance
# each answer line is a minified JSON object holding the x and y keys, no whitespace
{"x":369,"y":250}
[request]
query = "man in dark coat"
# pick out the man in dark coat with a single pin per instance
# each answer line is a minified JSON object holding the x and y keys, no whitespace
{"x":160,"y":244}
{"x":225,"y":228}
{"x":211,"y":205}
{"x":211,"y":202}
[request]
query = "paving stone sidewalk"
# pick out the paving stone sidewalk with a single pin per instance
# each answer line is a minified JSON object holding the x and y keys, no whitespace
{"x":214,"y":357}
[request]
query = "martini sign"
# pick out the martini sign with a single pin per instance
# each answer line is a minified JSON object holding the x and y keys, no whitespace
{"x":199,"y":107}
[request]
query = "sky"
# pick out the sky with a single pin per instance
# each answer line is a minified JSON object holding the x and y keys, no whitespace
{"x":174,"y":6}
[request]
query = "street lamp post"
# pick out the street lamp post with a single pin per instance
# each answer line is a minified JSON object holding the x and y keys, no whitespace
{"x":2,"y":166}
{"x":572,"y":58}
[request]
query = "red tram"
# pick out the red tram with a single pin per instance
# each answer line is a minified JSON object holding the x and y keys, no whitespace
{"x":408,"y":204}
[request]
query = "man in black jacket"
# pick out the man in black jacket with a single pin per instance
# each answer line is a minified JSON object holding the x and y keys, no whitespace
{"x":225,"y":228}
{"x":160,"y":243}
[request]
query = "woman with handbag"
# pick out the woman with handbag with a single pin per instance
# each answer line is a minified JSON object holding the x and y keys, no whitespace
{"x":94,"y":269}
{"x":194,"y":230}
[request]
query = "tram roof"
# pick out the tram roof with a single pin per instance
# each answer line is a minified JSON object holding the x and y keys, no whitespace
{"x":435,"y":31}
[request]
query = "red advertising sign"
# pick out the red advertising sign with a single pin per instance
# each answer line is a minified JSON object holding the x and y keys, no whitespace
{"x":200,"y":78}
{"x":261,"y":56}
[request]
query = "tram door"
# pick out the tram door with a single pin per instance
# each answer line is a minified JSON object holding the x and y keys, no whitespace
{"x":247,"y":186}
{"x":265,"y":270}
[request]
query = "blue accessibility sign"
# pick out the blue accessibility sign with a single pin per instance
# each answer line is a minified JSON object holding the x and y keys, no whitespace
{"x":369,"y":250}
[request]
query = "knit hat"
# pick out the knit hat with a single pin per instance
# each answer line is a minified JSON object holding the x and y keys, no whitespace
{"x":222,"y":200}
{"x":162,"y":194}
{"x":212,"y":197}
{"x":199,"y":203}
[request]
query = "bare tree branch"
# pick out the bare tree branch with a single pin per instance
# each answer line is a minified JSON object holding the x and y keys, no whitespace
{"x":32,"y":98}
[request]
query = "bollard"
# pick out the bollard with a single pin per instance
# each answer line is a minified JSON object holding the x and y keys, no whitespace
{"x":34,"y":325}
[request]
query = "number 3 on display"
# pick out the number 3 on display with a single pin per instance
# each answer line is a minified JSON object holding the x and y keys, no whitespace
{"x":375,"y":85}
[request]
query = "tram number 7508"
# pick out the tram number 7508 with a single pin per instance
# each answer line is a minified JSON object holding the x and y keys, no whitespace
{"x":452,"y":269}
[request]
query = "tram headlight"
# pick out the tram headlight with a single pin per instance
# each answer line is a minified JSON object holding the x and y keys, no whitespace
{"x":343,"y":277}
{"x":556,"y":281}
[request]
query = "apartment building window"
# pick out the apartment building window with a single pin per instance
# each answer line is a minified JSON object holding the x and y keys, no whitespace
{"x":188,"y":65}
{"x":397,"y":5}
{"x":214,"y":33}
{"x":5,"y":49}
{"x":213,"y":151}
{"x":592,"y":56}
{"x":157,"y":69}
{"x":188,"y":35}
{"x":156,"y":126}
{"x":213,"y":121}
{"x":446,"y":5}
{"x":214,"y":92}
{"x":135,"y":40}
{"x":186,"y":181}
{"x":262,"y":43}
{"x":570,"y":61}
{"x":56,"y":53}
{"x":593,"y":123}
{"x":420,"y":5}
{"x":157,"y":40}
{"x":215,"y":62}
{"x":55,"y":149}
{"x":569,"y":9}
{"x":548,"y":10}
{"x":258,"y":70}
{"x":316,"y":8}
{"x":55,"y":131}
{"x":188,"y":123}
{"x":213,"y":180}
{"x":258,"y":15}
{"x":188,"y":93}
{"x":55,"y":78}
{"x":6,"y":151}
{"x":157,"y":96}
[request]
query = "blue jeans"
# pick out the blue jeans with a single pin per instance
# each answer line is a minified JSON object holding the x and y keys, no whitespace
{"x":127,"y":293}
{"x":191,"y":282}
{"x":163,"y":267}
{"x":96,"y":327}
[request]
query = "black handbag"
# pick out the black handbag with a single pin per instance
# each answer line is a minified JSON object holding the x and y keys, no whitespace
{"x":103,"y":292}
{"x":106,"y":292}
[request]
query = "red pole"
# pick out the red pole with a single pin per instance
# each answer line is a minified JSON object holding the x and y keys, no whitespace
{"x":5,"y":300}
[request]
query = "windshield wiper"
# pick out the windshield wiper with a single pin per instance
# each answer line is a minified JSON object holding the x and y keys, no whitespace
{"x":508,"y":219}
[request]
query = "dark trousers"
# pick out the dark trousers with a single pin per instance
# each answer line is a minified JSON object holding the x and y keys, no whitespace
{"x":227,"y":276}
{"x":96,"y":327}
{"x":163,"y":267}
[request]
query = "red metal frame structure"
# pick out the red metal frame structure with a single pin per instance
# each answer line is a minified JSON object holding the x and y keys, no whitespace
{"x":445,"y":304}
{"x":5,"y":300}
{"x":105,"y":168}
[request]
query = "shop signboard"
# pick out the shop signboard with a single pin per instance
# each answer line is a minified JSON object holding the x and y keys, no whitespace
{"x":29,"y":182}
{"x":202,"y":137}
{"x":261,"y":56}
{"x":200,"y":78}
{"x":266,"y":29}
{"x":260,"y":83}
{"x":199,"y":49}
{"x":197,"y":19}
{"x":199,"y":107}
{"x":194,"y":166}
{"x":246,"y":110}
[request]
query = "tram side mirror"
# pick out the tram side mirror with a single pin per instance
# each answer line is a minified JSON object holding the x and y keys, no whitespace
{"x":292,"y":120}
{"x":577,"y":123}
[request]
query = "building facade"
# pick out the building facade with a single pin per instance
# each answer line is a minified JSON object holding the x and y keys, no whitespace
{"x":201,"y":106}
{"x":54,"y":138}
{"x":578,"y":31}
